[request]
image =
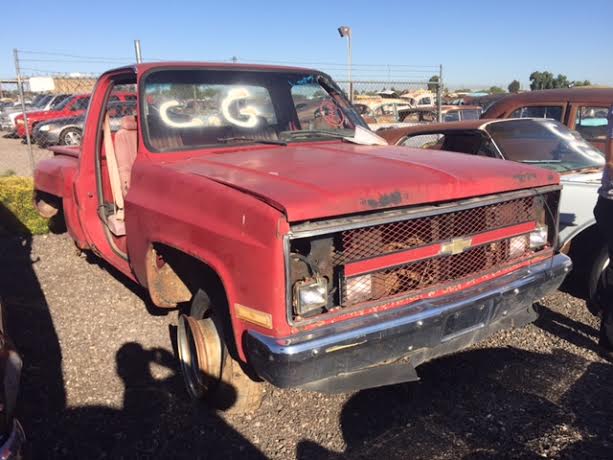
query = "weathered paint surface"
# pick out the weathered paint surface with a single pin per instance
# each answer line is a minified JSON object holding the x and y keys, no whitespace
{"x":326,"y":179}
{"x":229,"y":207}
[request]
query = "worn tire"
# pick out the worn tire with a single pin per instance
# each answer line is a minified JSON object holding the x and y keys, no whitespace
{"x":234,"y":391}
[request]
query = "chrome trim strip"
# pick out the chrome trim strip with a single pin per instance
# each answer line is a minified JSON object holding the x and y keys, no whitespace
{"x":308,"y":229}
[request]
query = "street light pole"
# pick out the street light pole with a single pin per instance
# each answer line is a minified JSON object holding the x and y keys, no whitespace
{"x":345,"y":31}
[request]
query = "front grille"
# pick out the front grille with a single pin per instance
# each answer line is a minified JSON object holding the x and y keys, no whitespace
{"x":424,"y":274}
{"x":339,"y":255}
{"x":363,"y":243}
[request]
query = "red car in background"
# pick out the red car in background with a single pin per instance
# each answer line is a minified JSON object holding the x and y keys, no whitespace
{"x":72,"y":107}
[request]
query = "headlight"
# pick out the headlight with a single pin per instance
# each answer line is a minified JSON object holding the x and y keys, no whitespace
{"x":310,"y":295}
{"x":538,"y":238}
{"x":19,"y":121}
{"x":44,"y":128}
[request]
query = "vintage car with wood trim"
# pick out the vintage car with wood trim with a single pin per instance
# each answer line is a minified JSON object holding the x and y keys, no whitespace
{"x":303,"y":251}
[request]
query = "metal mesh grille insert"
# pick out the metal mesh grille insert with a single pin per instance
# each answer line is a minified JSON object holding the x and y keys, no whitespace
{"x":427,"y":273}
{"x":362,"y":243}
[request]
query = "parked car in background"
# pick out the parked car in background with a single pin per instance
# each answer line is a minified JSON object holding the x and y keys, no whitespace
{"x":424,"y":99}
{"x":45,"y":103}
{"x":68,"y":131}
{"x":394,"y":115}
{"x":73,"y":106}
{"x":384,"y":115}
{"x":313,"y":255}
{"x":449,"y":113}
{"x":581,"y":109}
{"x":546,"y":143}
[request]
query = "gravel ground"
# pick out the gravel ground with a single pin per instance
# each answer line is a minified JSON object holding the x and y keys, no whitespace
{"x":14,"y":156}
{"x":101,"y":381}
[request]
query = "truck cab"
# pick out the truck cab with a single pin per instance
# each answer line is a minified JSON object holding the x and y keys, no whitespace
{"x":298,"y":248}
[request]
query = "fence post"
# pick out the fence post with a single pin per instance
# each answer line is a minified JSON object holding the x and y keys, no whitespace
{"x":23,"y":108}
{"x":439,"y":93}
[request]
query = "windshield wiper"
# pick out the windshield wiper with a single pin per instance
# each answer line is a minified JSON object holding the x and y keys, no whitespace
{"x":541,"y":161}
{"x":313,"y":133}
{"x":255,"y":140}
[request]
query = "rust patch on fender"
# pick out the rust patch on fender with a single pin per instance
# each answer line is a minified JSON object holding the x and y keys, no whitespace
{"x":524,"y":177}
{"x":384,"y":201}
{"x":165,"y":287}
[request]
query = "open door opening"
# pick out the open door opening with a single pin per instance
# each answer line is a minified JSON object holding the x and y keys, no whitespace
{"x":115,"y":156}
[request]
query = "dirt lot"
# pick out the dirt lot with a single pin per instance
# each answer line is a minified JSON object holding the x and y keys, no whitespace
{"x":101,"y":381}
{"x":14,"y":156}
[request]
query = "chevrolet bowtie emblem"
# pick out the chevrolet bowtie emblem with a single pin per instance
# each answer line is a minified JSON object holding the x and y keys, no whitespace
{"x":456,"y":246}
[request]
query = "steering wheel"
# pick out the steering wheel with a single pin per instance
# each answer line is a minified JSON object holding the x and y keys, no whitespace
{"x":331,"y":114}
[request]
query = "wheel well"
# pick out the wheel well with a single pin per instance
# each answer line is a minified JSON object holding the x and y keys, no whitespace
{"x":47,"y":205}
{"x":583,"y":245}
{"x":174,"y":278}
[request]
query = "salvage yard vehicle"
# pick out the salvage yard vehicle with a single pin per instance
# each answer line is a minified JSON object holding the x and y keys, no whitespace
{"x":71,"y":107}
{"x":581,"y":109}
{"x":304,"y":252}
{"x":542,"y":142}
{"x":68,"y":131}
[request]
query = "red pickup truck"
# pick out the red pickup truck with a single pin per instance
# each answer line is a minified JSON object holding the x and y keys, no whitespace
{"x":73,"y":106}
{"x":296,"y":250}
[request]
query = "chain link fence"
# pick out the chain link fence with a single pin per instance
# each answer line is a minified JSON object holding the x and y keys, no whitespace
{"x":44,"y":107}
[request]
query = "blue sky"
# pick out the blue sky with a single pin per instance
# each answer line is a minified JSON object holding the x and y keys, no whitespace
{"x":479,"y":43}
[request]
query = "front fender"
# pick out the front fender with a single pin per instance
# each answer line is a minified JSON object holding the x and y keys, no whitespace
{"x":234,"y":233}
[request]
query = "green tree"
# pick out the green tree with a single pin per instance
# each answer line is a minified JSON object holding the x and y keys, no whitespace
{"x":433,"y":83}
{"x":546,"y":80}
{"x":495,"y":90}
{"x":513,"y":87}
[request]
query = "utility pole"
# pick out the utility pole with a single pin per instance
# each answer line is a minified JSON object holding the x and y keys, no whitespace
{"x":139,"y":57}
{"x":345,"y":31}
{"x":23,"y":108}
{"x":439,"y":89}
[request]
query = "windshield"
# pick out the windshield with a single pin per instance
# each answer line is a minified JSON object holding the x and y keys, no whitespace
{"x":193,"y":108}
{"x":64,"y":103}
{"x":58,"y":101}
{"x":41,"y":102}
{"x":547,"y":143}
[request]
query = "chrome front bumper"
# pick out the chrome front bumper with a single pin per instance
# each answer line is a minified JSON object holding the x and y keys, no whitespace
{"x":386,"y":347}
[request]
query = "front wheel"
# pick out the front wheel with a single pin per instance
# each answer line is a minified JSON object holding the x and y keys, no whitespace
{"x":71,"y":136}
{"x":209,"y":372}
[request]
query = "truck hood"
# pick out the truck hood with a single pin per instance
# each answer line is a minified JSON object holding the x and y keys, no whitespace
{"x":327,"y":179}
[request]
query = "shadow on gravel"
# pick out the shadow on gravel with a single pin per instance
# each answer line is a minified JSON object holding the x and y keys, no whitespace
{"x":575,"y":332}
{"x":157,"y":419}
{"x":484,"y":404}
{"x":42,"y":395}
{"x":129,"y":284}
{"x":153,"y":423}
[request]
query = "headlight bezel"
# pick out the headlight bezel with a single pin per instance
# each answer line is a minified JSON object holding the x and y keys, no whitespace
{"x":315,"y":286}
